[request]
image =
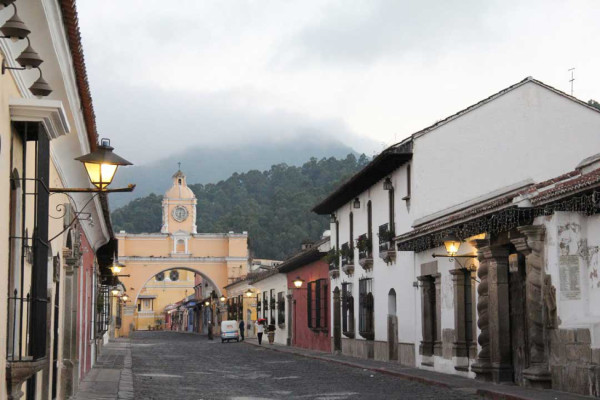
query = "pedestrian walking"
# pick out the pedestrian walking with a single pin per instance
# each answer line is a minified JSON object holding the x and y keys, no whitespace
{"x":260,"y":329}
{"x":271,"y":333}
{"x":242,"y":329}
{"x":210,"y":330}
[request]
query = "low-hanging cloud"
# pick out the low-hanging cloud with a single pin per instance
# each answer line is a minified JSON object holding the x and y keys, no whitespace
{"x":149,"y":124}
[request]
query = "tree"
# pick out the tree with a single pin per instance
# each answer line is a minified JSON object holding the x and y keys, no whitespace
{"x":594,"y":103}
{"x":273,"y":206}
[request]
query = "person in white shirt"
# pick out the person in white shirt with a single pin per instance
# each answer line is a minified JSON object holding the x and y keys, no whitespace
{"x":260,"y":329}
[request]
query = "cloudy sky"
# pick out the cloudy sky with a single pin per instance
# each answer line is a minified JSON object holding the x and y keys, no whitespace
{"x":175,"y":74}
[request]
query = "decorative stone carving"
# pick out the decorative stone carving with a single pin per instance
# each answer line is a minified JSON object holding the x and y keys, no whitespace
{"x":532,"y":246}
{"x":389,"y":256}
{"x":348,"y":268}
{"x":483,"y":364}
{"x":334,"y":271}
{"x":550,"y":303}
{"x":366,"y":263}
{"x":499,"y":312}
{"x":461,"y":348}
{"x":17,"y":372}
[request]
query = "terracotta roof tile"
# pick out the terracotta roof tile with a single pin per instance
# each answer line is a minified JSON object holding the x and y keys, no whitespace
{"x":71,"y":23}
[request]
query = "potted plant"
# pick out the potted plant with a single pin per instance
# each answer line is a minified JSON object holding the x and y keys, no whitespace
{"x":347,"y":259}
{"x":333,"y":259}
{"x":386,"y":247}
{"x":365,"y":251}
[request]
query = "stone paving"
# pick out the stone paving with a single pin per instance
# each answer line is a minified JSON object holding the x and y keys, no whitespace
{"x":111,"y":376}
{"x":171,"y":365}
{"x":485,"y":389}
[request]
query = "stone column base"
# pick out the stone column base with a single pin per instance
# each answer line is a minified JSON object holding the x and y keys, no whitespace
{"x":538,"y":377}
{"x":483,"y":371}
{"x":502,"y":373}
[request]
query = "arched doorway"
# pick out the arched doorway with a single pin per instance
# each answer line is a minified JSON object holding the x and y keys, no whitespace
{"x":188,"y":287}
{"x":392,"y":326}
{"x":337,"y":328}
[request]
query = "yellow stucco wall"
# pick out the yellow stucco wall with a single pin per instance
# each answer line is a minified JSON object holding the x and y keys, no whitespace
{"x":55,"y":227}
{"x":166,"y":292}
{"x":218,"y":258}
{"x":8,"y":89}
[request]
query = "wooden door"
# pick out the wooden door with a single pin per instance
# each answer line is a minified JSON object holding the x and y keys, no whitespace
{"x":518,"y":317}
{"x":337,"y":323}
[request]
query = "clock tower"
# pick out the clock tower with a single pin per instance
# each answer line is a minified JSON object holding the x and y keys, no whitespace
{"x":179,"y":207}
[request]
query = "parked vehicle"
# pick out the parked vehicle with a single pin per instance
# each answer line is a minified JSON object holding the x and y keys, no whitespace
{"x":229,"y":331}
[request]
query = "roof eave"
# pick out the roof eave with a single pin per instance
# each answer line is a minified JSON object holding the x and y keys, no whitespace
{"x":384,"y":164}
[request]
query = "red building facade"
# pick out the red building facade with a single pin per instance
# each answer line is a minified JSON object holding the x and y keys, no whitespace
{"x":310,"y":303}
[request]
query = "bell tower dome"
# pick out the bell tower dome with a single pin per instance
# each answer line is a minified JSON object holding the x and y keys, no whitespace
{"x":179,"y":207}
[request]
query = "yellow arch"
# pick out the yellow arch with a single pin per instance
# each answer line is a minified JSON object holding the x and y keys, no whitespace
{"x":141,"y":272}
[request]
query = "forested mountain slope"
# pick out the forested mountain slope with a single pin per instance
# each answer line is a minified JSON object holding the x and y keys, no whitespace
{"x":273,"y":206}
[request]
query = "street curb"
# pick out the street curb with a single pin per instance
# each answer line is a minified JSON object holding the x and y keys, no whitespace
{"x":353,"y":365}
{"x":487,"y":393}
{"x":126,"y":381}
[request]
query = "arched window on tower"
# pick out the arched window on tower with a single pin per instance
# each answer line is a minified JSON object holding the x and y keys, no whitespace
{"x":179,"y":181}
{"x":180,"y":248}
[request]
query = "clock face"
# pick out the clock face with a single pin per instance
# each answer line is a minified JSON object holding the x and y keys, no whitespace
{"x":180,"y":213}
{"x":174,"y":275}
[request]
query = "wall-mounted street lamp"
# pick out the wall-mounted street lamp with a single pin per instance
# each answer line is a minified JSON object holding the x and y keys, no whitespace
{"x":14,"y":28}
{"x":249,"y":293}
{"x":387,"y":184}
{"x":125,"y":297}
{"x":101,"y":166}
{"x":298,"y":282}
{"x":116,"y":268}
{"x":356,"y":203}
{"x":207,"y":303}
{"x":40,"y":88}
{"x":452,"y":244}
{"x":115,"y":291}
{"x":222,"y":299}
{"x":28,"y":59}
{"x":5,"y":3}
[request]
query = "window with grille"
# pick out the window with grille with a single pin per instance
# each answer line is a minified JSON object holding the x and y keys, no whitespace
{"x":265,"y":304}
{"x":27,"y":278}
{"x":347,"y":310}
{"x":272,"y":307}
{"x":240,"y":308}
{"x":280,"y":308}
{"x":317,"y":304}
{"x":366,"y":321}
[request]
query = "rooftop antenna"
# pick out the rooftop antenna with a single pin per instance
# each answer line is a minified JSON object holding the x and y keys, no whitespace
{"x":572,"y":79}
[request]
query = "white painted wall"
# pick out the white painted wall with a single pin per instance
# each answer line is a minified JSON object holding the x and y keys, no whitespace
{"x":530,"y":132}
{"x":279,"y":283}
{"x":581,"y":238}
{"x":398,"y":275}
{"x":447,"y":301}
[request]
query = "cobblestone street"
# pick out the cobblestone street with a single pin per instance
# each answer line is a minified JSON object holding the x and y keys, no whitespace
{"x":169,"y":365}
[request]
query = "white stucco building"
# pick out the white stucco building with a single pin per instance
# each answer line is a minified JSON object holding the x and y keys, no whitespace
{"x":473,"y":175}
{"x":272,"y":291}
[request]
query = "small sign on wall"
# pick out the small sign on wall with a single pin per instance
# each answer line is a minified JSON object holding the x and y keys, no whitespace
{"x":570,"y":285}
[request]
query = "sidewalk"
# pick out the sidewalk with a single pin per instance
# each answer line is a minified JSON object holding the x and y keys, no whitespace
{"x":111,"y":377}
{"x":485,"y":389}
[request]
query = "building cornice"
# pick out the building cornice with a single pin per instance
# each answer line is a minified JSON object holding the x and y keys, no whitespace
{"x":162,"y":260}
